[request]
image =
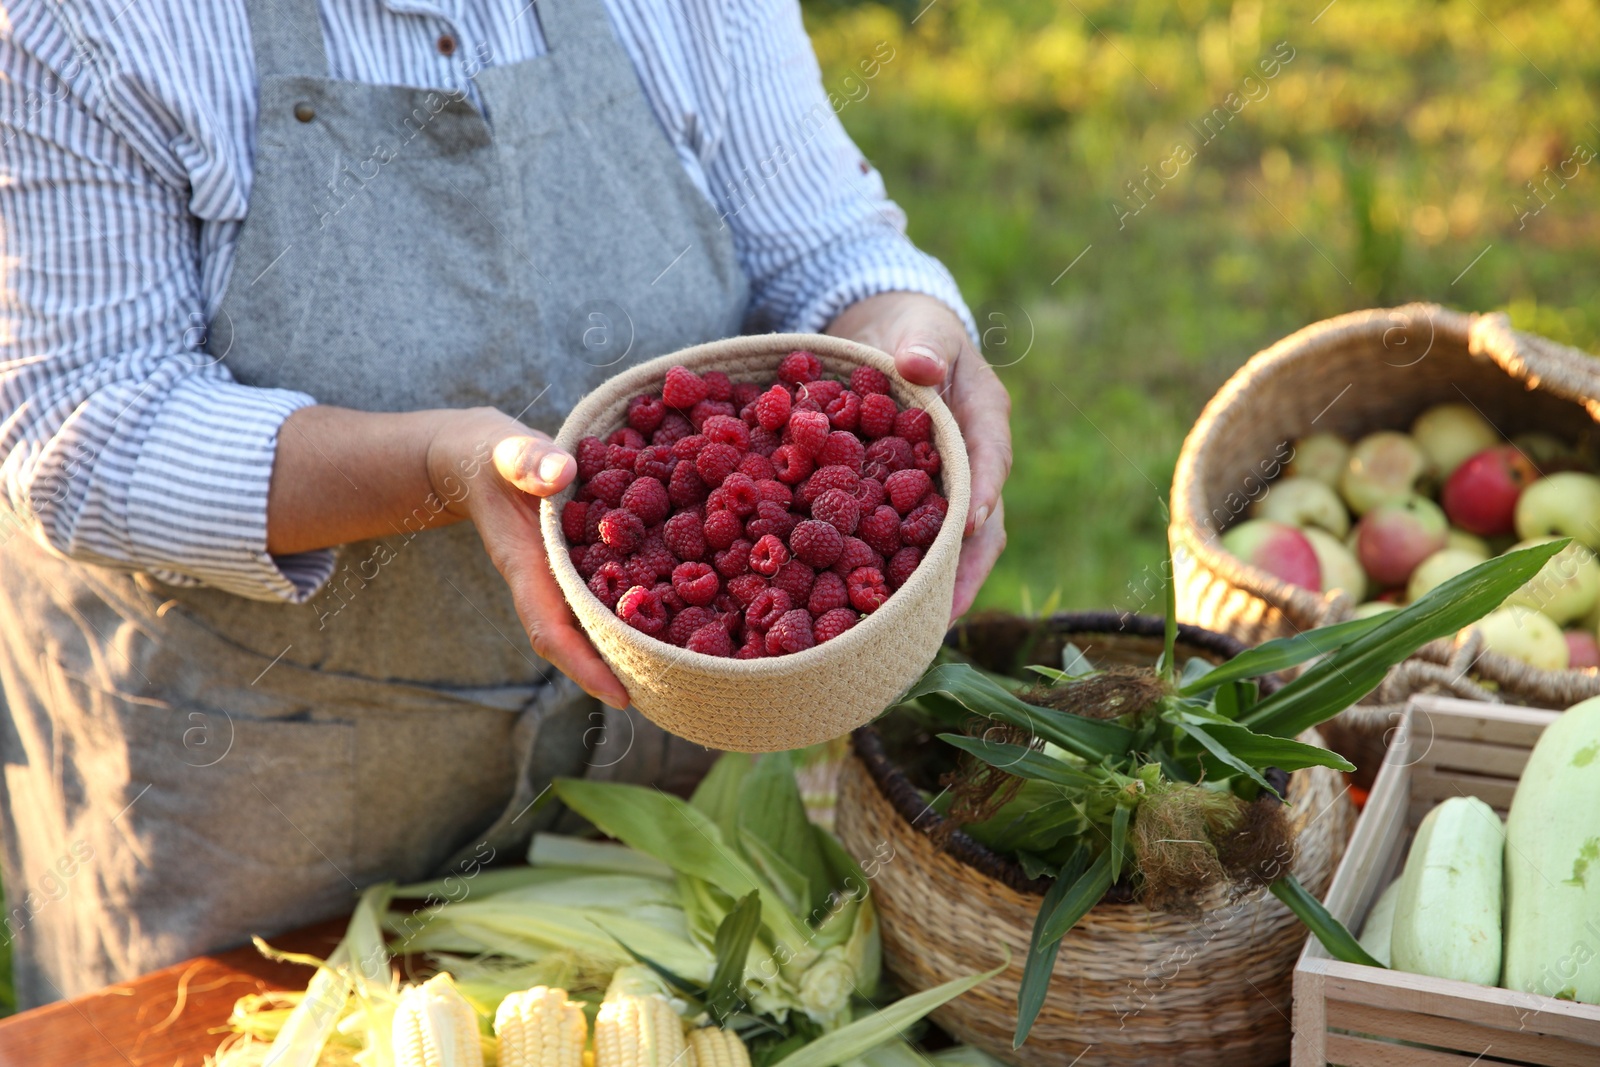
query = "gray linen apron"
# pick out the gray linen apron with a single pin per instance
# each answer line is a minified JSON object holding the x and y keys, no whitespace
{"x":184,"y":767}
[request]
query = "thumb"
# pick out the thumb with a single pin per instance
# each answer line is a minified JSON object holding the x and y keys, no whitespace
{"x":533,"y":464}
{"x":923,"y":356}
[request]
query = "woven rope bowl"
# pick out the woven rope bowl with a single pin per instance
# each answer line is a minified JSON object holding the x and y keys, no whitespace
{"x":1140,"y":987}
{"x":780,"y":702}
{"x":1352,"y":375}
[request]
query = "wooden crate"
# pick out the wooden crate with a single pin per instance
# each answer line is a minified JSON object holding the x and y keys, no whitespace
{"x":1352,"y":1015}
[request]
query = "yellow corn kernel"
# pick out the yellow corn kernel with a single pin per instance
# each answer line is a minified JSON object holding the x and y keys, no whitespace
{"x":434,"y":1026}
{"x":540,"y":1027}
{"x":711,"y":1047}
{"x":638,"y":1031}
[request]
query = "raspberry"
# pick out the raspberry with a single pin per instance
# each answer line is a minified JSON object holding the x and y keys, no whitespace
{"x":655,"y":461}
{"x":871,"y":494}
{"x":647,"y":498}
{"x":867,"y":589}
{"x":689,"y":446}
{"x":791,"y":633}
{"x":902,"y":563}
{"x":710,"y":409}
{"x":627,"y":437}
{"x":685,"y":489}
{"x":754,"y":648}
{"x":906,"y":488}
{"x":645,"y":413}
{"x":833,"y":623}
{"x":685,"y":537}
{"x":816,"y":543}
{"x":758,"y":467}
{"x":827,"y":592}
{"x":885,"y":456}
{"x":673,"y":427}
{"x":608,"y":582}
{"x":791,"y":463}
{"x":772,"y":409}
{"x":838,"y":509}
{"x":591,"y":457}
{"x":715,"y":462}
{"x":799,"y":367}
{"x":591,"y":521}
{"x":718,"y":385}
{"x":877,"y":415}
{"x":922,"y":525}
{"x":683,"y":389}
{"x":771,"y":518}
{"x":733,"y":560}
{"x":926,"y":457}
{"x":809,"y":431}
{"x":881,"y":530}
{"x":767,"y":608}
{"x":622,"y":530}
{"x":641,"y":570}
{"x":913,"y":424}
{"x":579,"y":555}
{"x":843,"y":449}
{"x":826,"y":478}
{"x":572,"y":515}
{"x":795,"y":578}
{"x":866,"y":380}
{"x":697,"y":583}
{"x":768,"y":554}
{"x":608,"y":486}
{"x":642,"y":609}
{"x":746,"y":588}
{"x":687,"y":621}
{"x":857,"y":554}
{"x":741,"y":494}
{"x":821,"y":393}
{"x":775,"y":491}
{"x":844,"y":412}
{"x":764,"y":442}
{"x":721,"y":529}
{"x":744,"y":393}
{"x":727,"y":430}
{"x":712,"y":640}
{"x":621,"y":458}
{"x":805,"y":403}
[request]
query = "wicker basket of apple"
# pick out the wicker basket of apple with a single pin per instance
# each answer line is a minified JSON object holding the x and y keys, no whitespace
{"x":1358,"y":463}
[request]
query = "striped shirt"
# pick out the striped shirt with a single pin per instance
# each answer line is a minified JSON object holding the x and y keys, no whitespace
{"x":127,"y":138}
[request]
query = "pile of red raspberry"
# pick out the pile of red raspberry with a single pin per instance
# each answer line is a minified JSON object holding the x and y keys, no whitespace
{"x":740,"y":521}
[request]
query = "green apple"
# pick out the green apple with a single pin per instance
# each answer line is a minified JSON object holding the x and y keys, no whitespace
{"x":1384,"y":468}
{"x":1321,"y":456}
{"x":1439,"y":568}
{"x":1566,"y":588}
{"x":1566,"y":504}
{"x":1340,"y":568}
{"x":1277,"y":548}
{"x":1449,"y":433}
{"x":1373,"y":607}
{"x":1459,"y":539}
{"x":1525,"y":634}
{"x":1304,"y":502}
{"x":1544,"y":448}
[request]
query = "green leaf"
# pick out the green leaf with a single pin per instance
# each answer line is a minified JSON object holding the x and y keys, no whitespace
{"x":1194,"y":668}
{"x":1119,"y":839}
{"x":1050,"y":674}
{"x":1084,"y":894}
{"x":1272,"y":656}
{"x":731,"y":949}
{"x":718,"y":792}
{"x":1220,"y":751}
{"x":772,"y":812}
{"x":1024,"y":762}
{"x":1264,"y":750}
{"x":1074,"y":663}
{"x":1091,"y":739}
{"x":1355,"y":670}
{"x":1235,"y":698}
{"x":1169,"y":644}
{"x":1079,"y":888}
{"x":1333,"y":934}
{"x":870,"y":1031}
{"x":690,"y":989}
{"x":792,"y":886}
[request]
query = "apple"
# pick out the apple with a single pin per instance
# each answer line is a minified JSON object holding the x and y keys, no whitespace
{"x":1546,"y":451}
{"x":1304,"y":502}
{"x":1582,"y":650}
{"x":1458,"y":538}
{"x":1321,"y":456}
{"x":1394,"y":538}
{"x":1481,"y":496}
{"x":1449,"y":433}
{"x":1340,"y":569}
{"x":1373,"y":607}
{"x":1277,"y":548}
{"x":1566,"y":588}
{"x":1526,"y":635}
{"x":1384,"y":468}
{"x":1439,"y":568}
{"x":1566,"y":504}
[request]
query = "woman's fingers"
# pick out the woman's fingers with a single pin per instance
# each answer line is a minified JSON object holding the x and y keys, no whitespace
{"x":983,"y":408}
{"x":978,"y":554}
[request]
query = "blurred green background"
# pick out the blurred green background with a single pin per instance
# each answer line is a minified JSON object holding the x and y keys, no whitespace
{"x":1393,"y":146}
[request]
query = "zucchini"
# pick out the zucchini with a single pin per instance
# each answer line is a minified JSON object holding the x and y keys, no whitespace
{"x":1447,"y":910}
{"x":1553,"y":863}
{"x":1378,"y":930}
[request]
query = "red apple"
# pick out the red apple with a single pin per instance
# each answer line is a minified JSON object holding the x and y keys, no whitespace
{"x":1481,"y":496}
{"x":1582,"y":649}
{"x":1277,"y":548}
{"x":1393,"y":538}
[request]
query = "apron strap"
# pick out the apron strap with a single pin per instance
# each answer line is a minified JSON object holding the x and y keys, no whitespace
{"x":287,"y":38}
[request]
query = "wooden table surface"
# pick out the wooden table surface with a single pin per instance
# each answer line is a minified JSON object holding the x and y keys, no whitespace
{"x":163,"y":1019}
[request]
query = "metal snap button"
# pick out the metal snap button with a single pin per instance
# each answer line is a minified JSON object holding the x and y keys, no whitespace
{"x":304,"y":112}
{"x":446,"y":44}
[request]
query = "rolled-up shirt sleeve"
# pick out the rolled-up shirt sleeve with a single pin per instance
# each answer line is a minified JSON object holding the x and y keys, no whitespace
{"x":123,"y":442}
{"x":812,"y":223}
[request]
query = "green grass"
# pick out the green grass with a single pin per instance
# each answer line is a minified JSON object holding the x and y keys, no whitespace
{"x":1382,"y":158}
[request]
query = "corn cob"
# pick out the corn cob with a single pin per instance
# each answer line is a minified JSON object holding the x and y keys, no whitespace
{"x":540,"y":1027}
{"x":638,"y":1031}
{"x":434,"y":1026}
{"x":711,"y":1047}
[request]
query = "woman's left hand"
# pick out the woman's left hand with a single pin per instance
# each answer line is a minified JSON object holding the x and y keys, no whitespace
{"x":931,"y":347}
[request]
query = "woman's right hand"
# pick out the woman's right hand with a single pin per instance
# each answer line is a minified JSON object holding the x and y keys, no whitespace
{"x":492,"y":469}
